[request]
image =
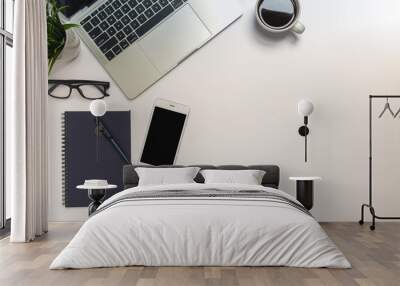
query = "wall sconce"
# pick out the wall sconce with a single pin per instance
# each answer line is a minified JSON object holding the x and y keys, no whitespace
{"x":98,"y":108}
{"x":305,"y":108}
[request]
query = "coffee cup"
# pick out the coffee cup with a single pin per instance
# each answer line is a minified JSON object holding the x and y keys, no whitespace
{"x":279,"y":15}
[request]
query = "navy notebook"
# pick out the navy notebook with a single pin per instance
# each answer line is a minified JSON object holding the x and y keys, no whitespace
{"x":87,"y":156}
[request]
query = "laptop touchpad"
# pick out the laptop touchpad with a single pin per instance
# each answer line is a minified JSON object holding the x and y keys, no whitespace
{"x":175,"y":39}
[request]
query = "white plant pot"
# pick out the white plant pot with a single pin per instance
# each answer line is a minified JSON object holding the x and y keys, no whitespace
{"x":72,"y":47}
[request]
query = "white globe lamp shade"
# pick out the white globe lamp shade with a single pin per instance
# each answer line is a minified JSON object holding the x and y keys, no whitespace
{"x":305,"y":107}
{"x":98,"y":107}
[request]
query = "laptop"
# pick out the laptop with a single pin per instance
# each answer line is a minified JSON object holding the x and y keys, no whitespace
{"x":139,"y":41}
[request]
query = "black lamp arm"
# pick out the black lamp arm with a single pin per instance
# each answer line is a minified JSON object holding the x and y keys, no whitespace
{"x":304,"y":131}
{"x":102,"y":129}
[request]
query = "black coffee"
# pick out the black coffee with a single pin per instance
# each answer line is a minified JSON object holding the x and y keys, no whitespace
{"x":277,"y":13}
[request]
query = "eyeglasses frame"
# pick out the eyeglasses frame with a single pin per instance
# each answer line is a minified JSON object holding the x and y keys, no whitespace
{"x":75,"y":84}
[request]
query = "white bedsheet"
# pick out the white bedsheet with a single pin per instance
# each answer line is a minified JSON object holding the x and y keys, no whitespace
{"x":173,"y":232}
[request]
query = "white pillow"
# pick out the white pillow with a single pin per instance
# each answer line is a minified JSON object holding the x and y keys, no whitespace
{"x":248,"y":177}
{"x":166,"y":176}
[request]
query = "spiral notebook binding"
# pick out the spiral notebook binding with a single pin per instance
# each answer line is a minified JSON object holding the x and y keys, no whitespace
{"x":63,"y":160}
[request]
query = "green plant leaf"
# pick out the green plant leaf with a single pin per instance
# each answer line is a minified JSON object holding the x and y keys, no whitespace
{"x":56,"y":35}
{"x":69,"y":26}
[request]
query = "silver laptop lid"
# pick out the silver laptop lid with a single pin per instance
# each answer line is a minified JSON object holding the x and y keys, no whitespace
{"x":136,"y":65}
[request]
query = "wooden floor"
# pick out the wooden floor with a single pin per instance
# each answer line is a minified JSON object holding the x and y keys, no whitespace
{"x":375,"y":257}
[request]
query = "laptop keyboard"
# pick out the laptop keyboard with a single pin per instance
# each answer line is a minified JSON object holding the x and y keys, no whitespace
{"x":117,"y":24}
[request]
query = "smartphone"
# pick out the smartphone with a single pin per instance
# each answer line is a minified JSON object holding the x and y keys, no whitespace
{"x":164,"y":133}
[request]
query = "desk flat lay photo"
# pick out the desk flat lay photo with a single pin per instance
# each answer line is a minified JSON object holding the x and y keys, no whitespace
{"x":199,"y":142}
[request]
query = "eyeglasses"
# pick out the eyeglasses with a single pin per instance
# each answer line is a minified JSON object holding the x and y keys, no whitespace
{"x":88,"y":89}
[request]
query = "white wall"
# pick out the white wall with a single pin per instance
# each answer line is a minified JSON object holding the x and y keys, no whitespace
{"x":243,"y":88}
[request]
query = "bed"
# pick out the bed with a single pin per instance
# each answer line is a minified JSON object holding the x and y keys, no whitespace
{"x":198,"y":224}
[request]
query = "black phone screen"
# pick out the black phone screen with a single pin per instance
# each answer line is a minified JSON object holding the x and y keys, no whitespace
{"x":163,"y":137}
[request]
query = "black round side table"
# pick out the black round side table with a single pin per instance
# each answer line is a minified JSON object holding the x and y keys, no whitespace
{"x":96,"y":194}
{"x":305,"y":190}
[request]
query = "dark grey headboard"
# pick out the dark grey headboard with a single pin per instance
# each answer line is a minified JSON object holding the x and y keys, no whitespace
{"x":271,"y":177}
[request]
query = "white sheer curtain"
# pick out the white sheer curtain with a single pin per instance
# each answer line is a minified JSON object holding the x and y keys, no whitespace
{"x":26,"y":120}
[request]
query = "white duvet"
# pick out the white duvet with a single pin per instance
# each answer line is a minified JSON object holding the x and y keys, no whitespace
{"x":193,"y":231}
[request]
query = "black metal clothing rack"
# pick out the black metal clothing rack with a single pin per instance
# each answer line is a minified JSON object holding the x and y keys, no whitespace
{"x":369,"y":205}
